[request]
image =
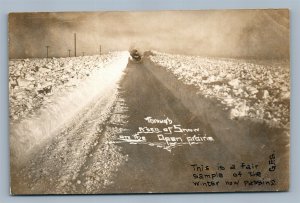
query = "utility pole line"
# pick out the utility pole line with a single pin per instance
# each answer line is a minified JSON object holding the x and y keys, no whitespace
{"x":75,"y":44}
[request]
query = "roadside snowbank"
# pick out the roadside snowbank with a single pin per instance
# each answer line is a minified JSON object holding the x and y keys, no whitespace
{"x":32,"y":82}
{"x":74,"y":82}
{"x":250,"y":89}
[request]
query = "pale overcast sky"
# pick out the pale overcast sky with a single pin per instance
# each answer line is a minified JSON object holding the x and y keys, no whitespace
{"x":227,"y":33}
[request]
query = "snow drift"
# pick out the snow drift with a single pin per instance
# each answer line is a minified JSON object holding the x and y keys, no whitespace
{"x":251,"y":89}
{"x":241,"y":137}
{"x":30,"y":133}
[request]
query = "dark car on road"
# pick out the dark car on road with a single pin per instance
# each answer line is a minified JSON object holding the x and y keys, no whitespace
{"x":135,"y":56}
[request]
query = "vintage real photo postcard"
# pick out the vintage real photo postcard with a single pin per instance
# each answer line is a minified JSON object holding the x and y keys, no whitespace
{"x":149,"y":102}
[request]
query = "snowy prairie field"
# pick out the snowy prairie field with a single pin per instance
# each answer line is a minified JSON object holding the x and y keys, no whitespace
{"x":251,"y":89}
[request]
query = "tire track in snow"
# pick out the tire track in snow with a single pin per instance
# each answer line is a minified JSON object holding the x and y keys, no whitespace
{"x":93,"y":179}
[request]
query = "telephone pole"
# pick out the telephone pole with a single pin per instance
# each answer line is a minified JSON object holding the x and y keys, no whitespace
{"x":75,"y":44}
{"x":69,"y":52}
{"x":100,"y":49}
{"x":47,"y":48}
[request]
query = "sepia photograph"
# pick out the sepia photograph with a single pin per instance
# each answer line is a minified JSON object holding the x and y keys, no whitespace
{"x":129,"y":102}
